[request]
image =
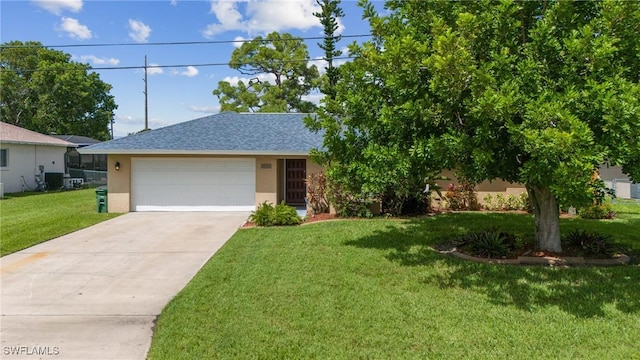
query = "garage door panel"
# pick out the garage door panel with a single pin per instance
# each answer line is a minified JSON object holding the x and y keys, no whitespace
{"x":171,"y":184}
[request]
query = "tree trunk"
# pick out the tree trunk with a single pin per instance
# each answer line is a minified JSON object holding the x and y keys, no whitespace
{"x":547,"y":218}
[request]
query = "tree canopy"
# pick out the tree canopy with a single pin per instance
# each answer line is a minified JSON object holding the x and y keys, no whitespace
{"x":535,"y":92}
{"x":44,"y":91}
{"x":284,"y":60}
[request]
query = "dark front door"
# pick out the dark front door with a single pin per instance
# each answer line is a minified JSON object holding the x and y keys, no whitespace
{"x":296,"y":189}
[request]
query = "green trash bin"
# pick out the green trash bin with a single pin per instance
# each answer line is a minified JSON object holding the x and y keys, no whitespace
{"x":101,"y":199}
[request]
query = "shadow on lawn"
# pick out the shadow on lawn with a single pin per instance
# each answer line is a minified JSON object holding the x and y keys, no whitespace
{"x":581,"y":291}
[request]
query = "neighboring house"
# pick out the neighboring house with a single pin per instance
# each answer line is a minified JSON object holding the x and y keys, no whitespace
{"x":614,"y":178}
{"x":91,"y":168}
{"x":227,"y":162}
{"x":23,"y":152}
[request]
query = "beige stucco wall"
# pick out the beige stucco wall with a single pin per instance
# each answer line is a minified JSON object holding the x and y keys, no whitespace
{"x":119,"y":182}
{"x":266,"y":179}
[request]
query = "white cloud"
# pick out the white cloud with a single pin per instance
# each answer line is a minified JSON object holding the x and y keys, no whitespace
{"x":320,"y":63}
{"x":174,"y":2}
{"x":191,"y":71}
{"x":94,"y":60}
{"x":262,"y":16}
{"x":74,"y":29}
{"x":153,"y":69}
{"x":124,"y":119}
{"x":139,"y":31}
{"x":57,"y":6}
{"x":238,"y":41}
{"x":205,"y":109}
{"x":314,"y":98}
{"x":126,"y":124}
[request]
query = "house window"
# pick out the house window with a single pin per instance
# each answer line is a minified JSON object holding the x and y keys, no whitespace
{"x":4,"y":158}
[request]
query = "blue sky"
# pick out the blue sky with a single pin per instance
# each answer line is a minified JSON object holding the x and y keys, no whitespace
{"x":175,"y":94}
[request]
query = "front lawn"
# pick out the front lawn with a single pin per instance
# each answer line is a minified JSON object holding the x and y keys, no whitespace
{"x":374,"y":289}
{"x":29,"y":219}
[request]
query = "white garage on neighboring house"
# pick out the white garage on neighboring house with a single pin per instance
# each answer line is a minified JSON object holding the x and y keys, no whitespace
{"x":615,"y":179}
{"x":26,"y":154}
{"x":223,"y":162}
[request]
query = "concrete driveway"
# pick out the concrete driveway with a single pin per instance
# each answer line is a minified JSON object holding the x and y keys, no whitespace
{"x":95,"y":293}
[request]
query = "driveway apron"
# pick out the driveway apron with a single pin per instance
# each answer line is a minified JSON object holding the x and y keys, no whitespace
{"x":95,"y":293}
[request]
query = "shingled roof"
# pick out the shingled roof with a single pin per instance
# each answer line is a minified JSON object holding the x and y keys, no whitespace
{"x":17,"y":135}
{"x":77,"y":139}
{"x":224,"y":133}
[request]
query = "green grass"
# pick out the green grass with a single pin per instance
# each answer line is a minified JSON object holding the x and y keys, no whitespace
{"x":374,"y":289}
{"x":29,"y":219}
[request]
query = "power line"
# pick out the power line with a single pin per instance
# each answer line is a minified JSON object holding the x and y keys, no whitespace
{"x":182,"y":42}
{"x":170,"y":66}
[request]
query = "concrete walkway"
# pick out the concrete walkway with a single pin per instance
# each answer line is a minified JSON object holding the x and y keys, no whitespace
{"x":94,"y":294}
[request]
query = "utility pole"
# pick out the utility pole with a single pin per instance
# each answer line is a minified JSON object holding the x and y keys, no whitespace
{"x":146,"y":107}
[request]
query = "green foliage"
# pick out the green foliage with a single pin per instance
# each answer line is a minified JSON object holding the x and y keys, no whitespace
{"x":282,"y":56}
{"x":284,"y":214}
{"x":462,"y":197}
{"x":490,"y":243}
{"x":330,"y":11}
{"x":600,"y":192}
{"x":591,"y":244}
{"x":348,"y":204}
{"x":317,"y":193}
{"x":268,"y":215}
{"x":536,"y":92}
{"x":602,"y":211}
{"x":510,"y":202}
{"x":263,"y":215}
{"x":44,"y":91}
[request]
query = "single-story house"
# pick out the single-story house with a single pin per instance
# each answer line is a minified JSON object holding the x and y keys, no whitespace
{"x":22,"y":154}
{"x":615,"y":179}
{"x":227,"y":162}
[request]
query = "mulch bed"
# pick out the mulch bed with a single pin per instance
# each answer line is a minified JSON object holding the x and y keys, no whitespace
{"x":311,"y":219}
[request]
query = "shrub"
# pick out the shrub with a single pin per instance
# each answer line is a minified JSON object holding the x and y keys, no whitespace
{"x":510,"y":202}
{"x":602,"y":211}
{"x":490,"y":243}
{"x":348,"y":204}
{"x":268,"y":215}
{"x":263,"y":215}
{"x":317,"y":193}
{"x":491,"y":203}
{"x":462,"y":197}
{"x":589,"y":243}
{"x":285,"y":215}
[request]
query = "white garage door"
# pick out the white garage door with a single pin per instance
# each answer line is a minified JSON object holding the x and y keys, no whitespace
{"x":171,"y":184}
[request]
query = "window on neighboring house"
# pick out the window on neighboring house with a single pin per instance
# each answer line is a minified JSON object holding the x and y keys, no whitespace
{"x":4,"y":159}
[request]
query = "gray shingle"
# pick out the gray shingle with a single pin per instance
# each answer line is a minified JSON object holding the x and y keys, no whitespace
{"x":251,"y":133}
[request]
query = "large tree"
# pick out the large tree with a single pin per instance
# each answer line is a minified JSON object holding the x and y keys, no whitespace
{"x":44,"y":91}
{"x":280,"y":76}
{"x":535,"y":92}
